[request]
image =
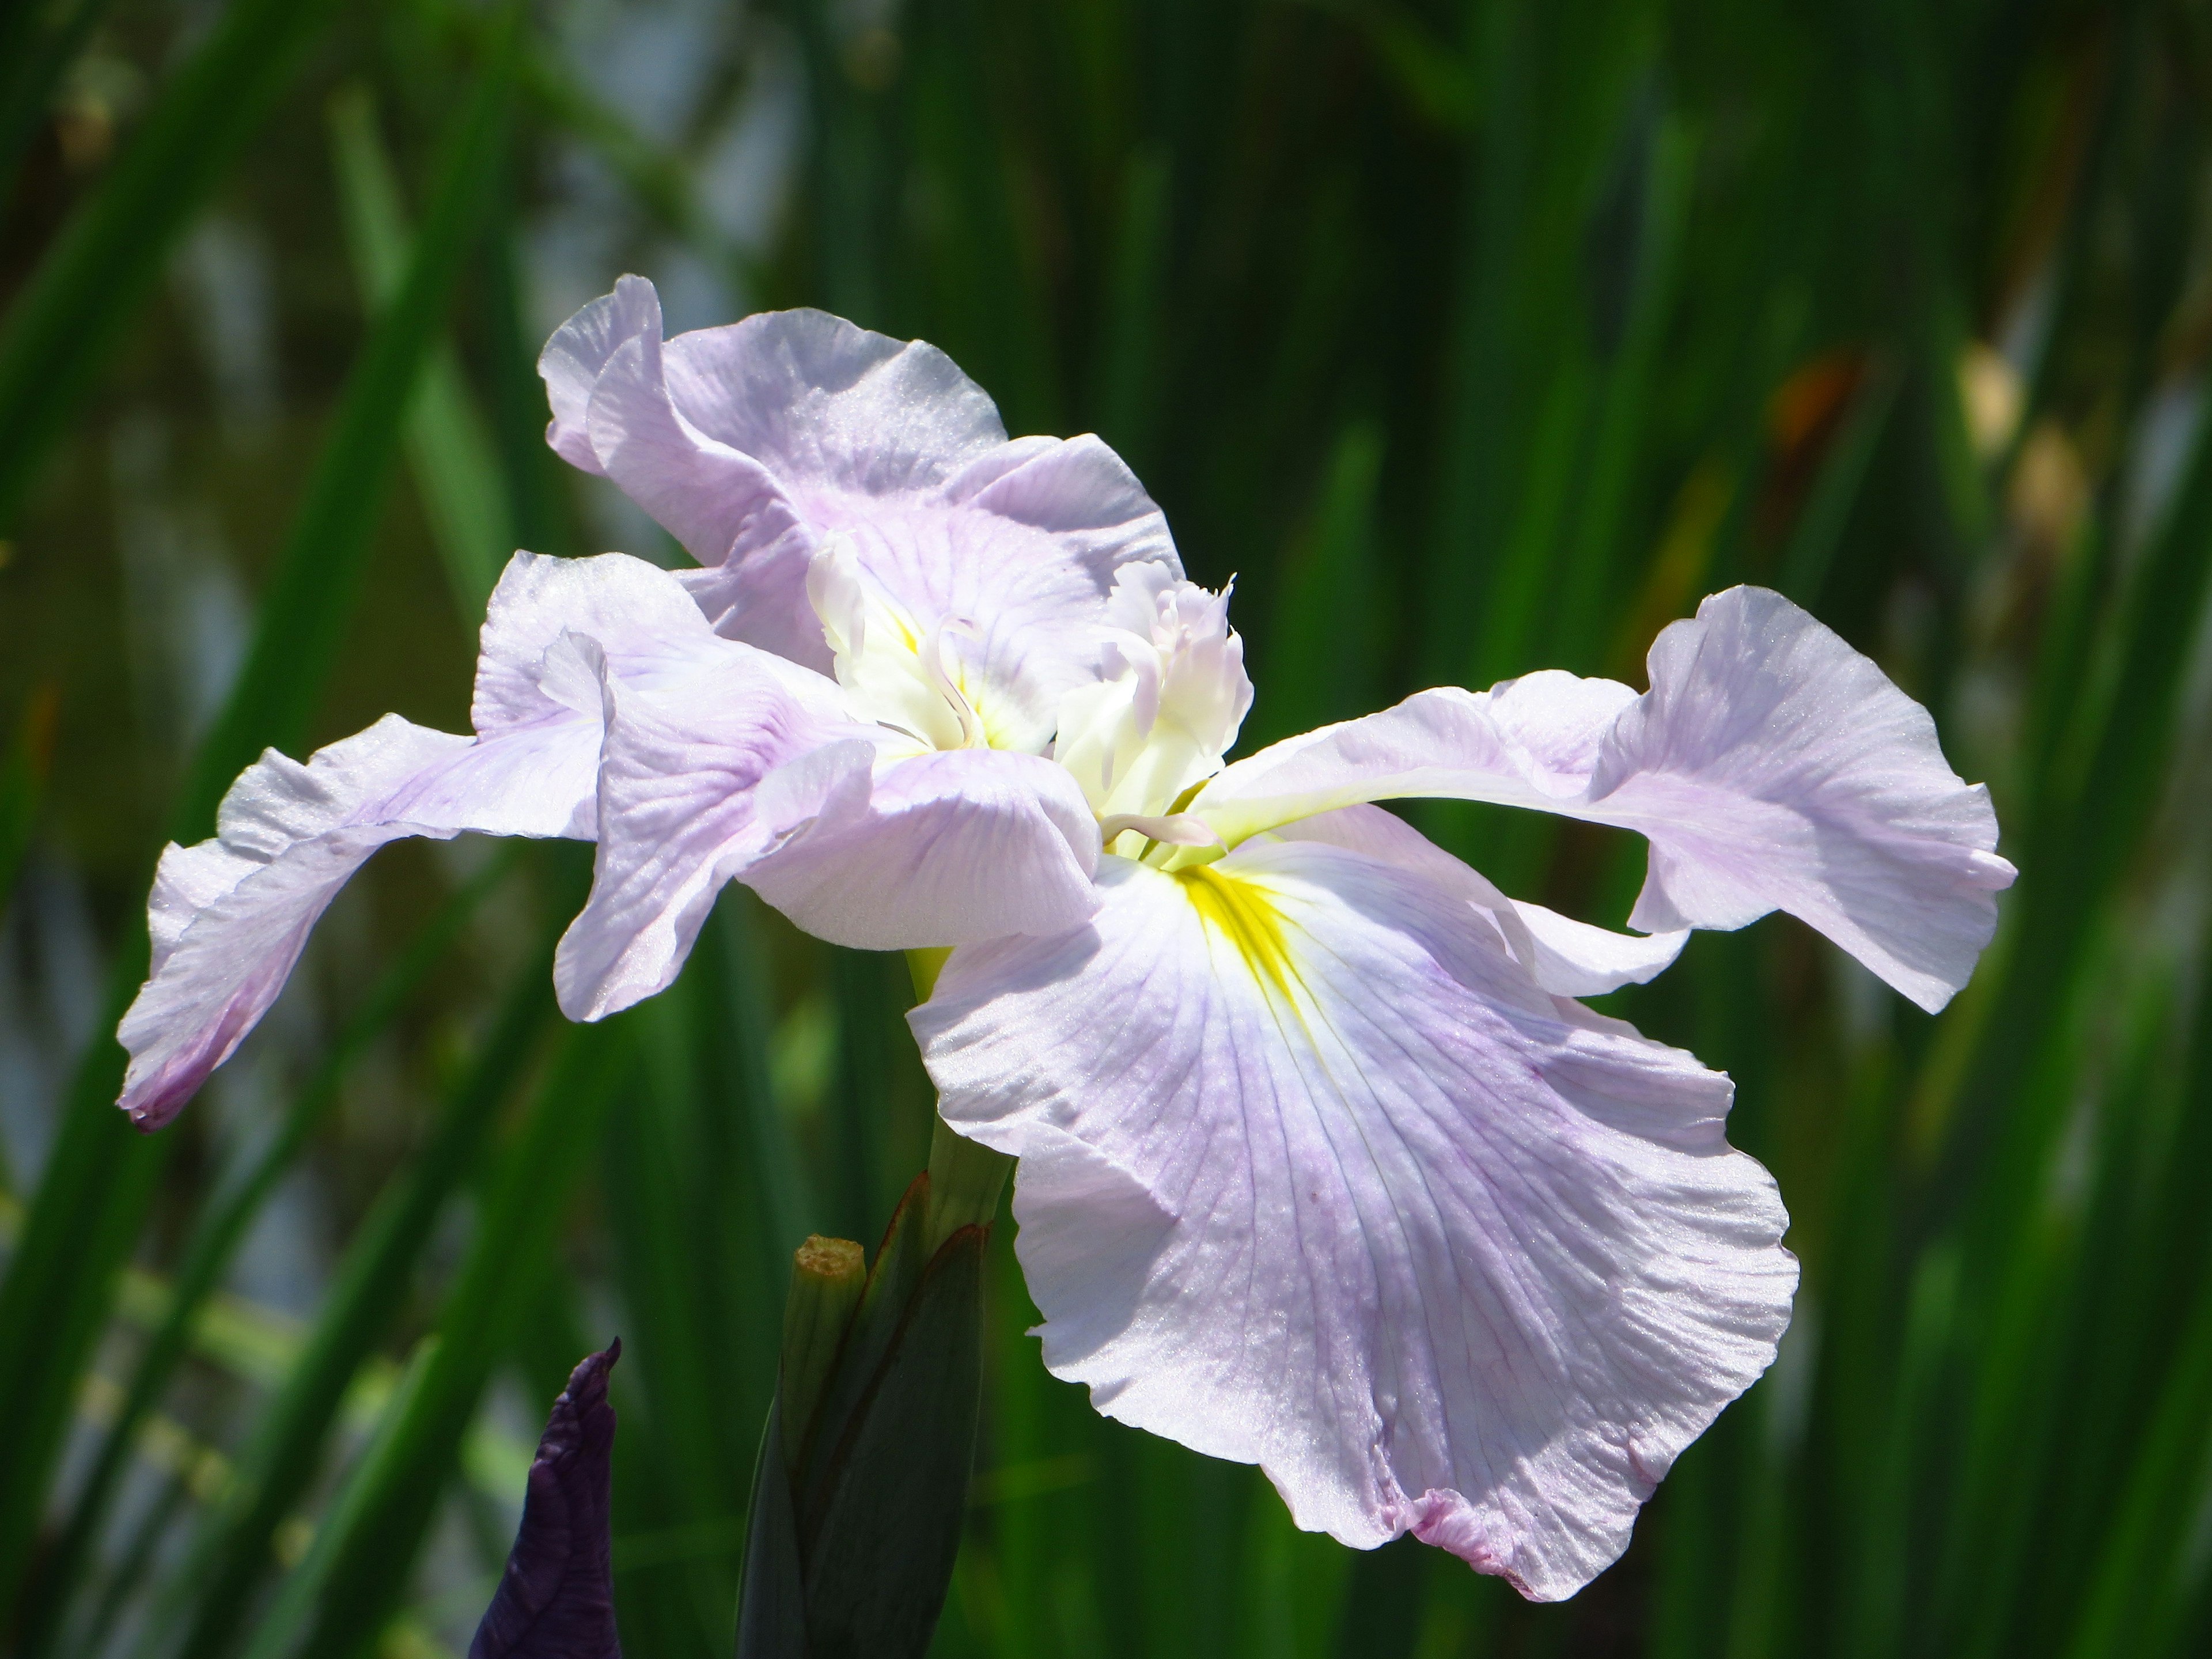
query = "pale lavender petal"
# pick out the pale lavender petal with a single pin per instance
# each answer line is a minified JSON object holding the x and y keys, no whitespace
{"x":1770,"y":766}
{"x":543,"y":701}
{"x":755,"y":442}
{"x":1574,"y":959}
{"x":1022,"y":546}
{"x":757,"y":773}
{"x":1568,"y":958}
{"x":818,"y":400}
{"x":1774,"y":767}
{"x":1314,"y":1175}
{"x":578,"y":351}
{"x":230,"y":915}
{"x":722,"y":506}
{"x":683,"y":809}
{"x":945,"y":850}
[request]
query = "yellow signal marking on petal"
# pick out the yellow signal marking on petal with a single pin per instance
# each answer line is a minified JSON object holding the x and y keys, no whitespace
{"x":1240,"y":912}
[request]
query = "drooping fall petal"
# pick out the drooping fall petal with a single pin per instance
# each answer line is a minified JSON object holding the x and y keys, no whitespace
{"x":1315,"y":1175}
{"x":1770,"y":766}
{"x":230,"y":916}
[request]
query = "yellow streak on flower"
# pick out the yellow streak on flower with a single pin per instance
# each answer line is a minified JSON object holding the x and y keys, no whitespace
{"x":1240,"y":912}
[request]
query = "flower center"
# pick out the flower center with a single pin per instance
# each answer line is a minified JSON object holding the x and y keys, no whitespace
{"x":898,"y":673}
{"x":1239,"y":914}
{"x":1171,"y":693}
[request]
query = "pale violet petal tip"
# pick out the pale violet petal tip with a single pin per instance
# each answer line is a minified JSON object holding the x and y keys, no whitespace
{"x":697,"y":778}
{"x":230,"y":916}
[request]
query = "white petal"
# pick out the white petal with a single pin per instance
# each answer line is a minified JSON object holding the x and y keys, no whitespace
{"x":1171,"y":693}
{"x":758,"y":773}
{"x":754,"y":443}
{"x":1313,"y":1175}
{"x":681,"y":809}
{"x":230,"y":915}
{"x":1568,"y":958}
{"x":1770,"y":766}
{"x":944,"y":849}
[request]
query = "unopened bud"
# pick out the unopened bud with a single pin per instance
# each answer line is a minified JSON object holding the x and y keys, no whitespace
{"x":827,"y":1277}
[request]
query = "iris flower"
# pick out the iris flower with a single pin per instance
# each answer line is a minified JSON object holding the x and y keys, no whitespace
{"x":1322,"y":1166}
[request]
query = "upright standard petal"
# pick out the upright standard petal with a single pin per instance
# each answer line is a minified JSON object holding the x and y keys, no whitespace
{"x":1770,"y":766}
{"x":759,"y":773}
{"x":755,"y":442}
{"x":1170,"y":694}
{"x":1314,"y":1175}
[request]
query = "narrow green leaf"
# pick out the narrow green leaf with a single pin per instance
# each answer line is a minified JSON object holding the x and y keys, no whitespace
{"x":772,"y":1597}
{"x":880,"y":1555}
{"x":1127,"y":373}
{"x":1876,"y":1612}
{"x":1587,"y":580}
{"x":278,"y":1629}
{"x":300,"y":627}
{"x":2131,"y":1578}
{"x":221,"y":1228}
{"x":2105,"y":782}
{"x":448,"y":448}
{"x":1327,"y":629}
{"x":893,"y":1275}
{"x":100,"y":1176}
{"x":1819,"y":528}
{"x":211,"y":1597}
{"x":99,"y":270}
{"x":23,"y":771}
{"x":512,"y":1250}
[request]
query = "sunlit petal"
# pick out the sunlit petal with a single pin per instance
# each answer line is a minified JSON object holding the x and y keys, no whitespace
{"x":1567,"y":957}
{"x":230,"y":915}
{"x":754,"y":443}
{"x":1770,"y":766}
{"x":759,"y":773}
{"x":1314,"y":1175}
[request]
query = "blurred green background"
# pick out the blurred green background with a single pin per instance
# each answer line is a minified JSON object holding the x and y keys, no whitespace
{"x":1471,"y":339}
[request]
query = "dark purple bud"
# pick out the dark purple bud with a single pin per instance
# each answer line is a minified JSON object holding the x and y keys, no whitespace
{"x":555,"y":1600}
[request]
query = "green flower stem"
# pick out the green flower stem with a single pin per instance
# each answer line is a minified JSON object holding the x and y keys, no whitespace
{"x":924,"y":966}
{"x":965,"y":1177}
